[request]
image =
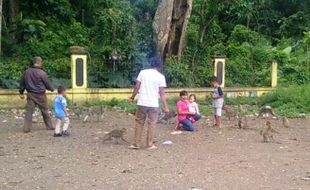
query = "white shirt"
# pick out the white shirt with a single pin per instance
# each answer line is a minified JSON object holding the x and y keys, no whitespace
{"x":218,"y":103}
{"x":193,"y":107}
{"x":151,"y":80}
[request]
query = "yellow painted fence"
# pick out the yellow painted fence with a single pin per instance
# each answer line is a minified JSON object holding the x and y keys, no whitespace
{"x":9,"y":98}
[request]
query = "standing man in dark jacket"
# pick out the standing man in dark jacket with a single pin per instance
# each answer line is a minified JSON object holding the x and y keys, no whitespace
{"x":35,"y":81}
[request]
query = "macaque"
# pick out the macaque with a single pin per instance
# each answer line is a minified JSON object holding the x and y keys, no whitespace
{"x":267,"y":132}
{"x":266,"y":110}
{"x":117,"y":134}
{"x":230,"y":112}
{"x":78,"y":112}
{"x":166,"y":117}
{"x":94,"y":111}
{"x":242,"y":122}
{"x":286,"y":122}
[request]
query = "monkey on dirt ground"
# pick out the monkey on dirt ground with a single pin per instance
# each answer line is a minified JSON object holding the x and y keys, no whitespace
{"x":242,"y":122}
{"x":285,"y":122}
{"x":116,"y":134}
{"x":267,"y":132}
{"x":94,"y":111}
{"x":265,"y":111}
{"x":230,"y":112}
{"x":165,"y":118}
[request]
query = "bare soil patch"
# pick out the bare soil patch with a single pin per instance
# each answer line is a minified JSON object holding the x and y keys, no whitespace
{"x":208,"y":158}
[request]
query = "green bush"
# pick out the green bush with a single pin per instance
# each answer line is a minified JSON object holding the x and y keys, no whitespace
{"x":11,"y":72}
{"x":250,"y":33}
{"x":178,"y":74}
{"x":290,"y":101}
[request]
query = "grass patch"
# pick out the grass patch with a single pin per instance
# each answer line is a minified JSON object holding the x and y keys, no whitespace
{"x":291,"y":101}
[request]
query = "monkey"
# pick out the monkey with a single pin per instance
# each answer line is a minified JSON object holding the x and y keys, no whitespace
{"x":267,"y":132}
{"x":116,"y":134}
{"x":166,"y":117}
{"x":94,"y":111}
{"x":230,"y":112}
{"x":266,"y":110}
{"x":242,"y":124}
{"x":286,"y":122}
{"x":79,"y":112}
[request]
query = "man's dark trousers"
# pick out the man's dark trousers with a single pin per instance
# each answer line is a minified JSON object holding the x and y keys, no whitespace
{"x":39,"y":100}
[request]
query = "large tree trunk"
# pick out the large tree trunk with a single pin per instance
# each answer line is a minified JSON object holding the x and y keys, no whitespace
{"x":0,"y":25}
{"x":184,"y":27}
{"x":202,"y":23}
{"x":170,"y":25}
{"x":13,"y":6}
{"x":162,"y":24}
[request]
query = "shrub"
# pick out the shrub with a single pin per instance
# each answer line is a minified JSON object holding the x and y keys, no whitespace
{"x":290,"y":101}
{"x":11,"y":72}
{"x":178,"y":74}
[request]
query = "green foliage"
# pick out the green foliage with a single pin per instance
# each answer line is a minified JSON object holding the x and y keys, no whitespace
{"x":114,"y":29}
{"x":59,"y":71}
{"x":56,"y":44}
{"x":60,"y":10}
{"x":11,"y":72}
{"x":250,"y":33}
{"x":250,"y":59}
{"x":177,"y":73}
{"x":290,"y":101}
{"x":29,"y":28}
{"x":296,"y":65}
{"x":242,"y":34}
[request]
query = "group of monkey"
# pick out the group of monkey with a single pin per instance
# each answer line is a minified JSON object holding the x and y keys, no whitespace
{"x":118,"y":134}
{"x":267,"y":131}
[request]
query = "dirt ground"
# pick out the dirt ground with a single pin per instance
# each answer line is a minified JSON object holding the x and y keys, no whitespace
{"x":208,"y":158}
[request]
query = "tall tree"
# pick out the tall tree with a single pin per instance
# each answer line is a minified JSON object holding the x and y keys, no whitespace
{"x":0,"y":23}
{"x":169,"y":26}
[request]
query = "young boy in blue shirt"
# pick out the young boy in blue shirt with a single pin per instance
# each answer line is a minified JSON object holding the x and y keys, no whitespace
{"x":61,"y":113}
{"x":218,"y":101}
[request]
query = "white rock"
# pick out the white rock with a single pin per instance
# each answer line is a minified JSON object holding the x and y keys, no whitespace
{"x":167,"y":142}
{"x":176,"y":132}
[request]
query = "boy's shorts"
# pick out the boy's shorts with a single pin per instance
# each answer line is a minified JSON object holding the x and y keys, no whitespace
{"x":217,"y":111}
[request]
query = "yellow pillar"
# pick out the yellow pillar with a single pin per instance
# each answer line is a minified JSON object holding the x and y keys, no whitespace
{"x":78,"y":67}
{"x":274,"y":74}
{"x":219,"y":69}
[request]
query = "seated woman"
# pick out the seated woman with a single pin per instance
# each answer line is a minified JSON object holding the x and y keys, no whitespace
{"x":184,"y":114}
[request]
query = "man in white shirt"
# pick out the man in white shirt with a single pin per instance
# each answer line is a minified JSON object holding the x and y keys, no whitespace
{"x":150,"y":85}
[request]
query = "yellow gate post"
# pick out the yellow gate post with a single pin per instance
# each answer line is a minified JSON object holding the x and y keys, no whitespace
{"x":78,"y":67}
{"x":219,"y":69}
{"x":274,"y":74}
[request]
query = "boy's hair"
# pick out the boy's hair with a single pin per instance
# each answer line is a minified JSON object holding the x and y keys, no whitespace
{"x":183,"y":93}
{"x":192,"y":95}
{"x":61,"y":89}
{"x":213,"y":79}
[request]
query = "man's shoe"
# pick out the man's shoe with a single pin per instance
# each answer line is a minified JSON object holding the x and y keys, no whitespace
{"x":57,"y":135}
